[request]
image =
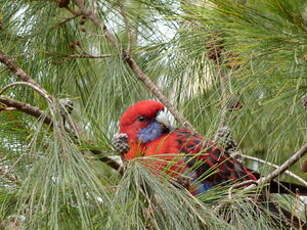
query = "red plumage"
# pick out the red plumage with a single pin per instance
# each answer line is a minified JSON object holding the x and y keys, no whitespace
{"x":185,"y":150}
{"x":181,"y":148}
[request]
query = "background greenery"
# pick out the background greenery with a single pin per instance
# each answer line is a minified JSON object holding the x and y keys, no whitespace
{"x":200,"y":53}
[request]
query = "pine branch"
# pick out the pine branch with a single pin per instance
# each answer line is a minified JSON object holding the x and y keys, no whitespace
{"x":31,"y":110}
{"x":155,"y":90}
{"x":21,"y":74}
{"x":69,"y":56}
{"x":87,"y":56}
{"x":26,"y":108}
{"x":112,"y":163}
{"x":36,"y":112}
{"x":68,"y":19}
{"x":289,"y":173}
{"x":15,"y":68}
{"x":133,"y":65}
{"x":41,"y":91}
{"x":281,"y":169}
{"x":264,"y":180}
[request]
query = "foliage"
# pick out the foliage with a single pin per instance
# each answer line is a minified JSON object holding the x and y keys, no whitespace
{"x":200,"y":53}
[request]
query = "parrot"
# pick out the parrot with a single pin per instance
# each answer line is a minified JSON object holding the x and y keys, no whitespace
{"x":149,"y":134}
{"x":180,"y":151}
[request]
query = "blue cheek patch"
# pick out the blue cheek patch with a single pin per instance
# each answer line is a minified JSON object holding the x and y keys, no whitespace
{"x":151,"y":132}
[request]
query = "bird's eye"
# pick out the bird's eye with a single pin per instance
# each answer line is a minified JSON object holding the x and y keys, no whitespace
{"x":142,"y":118}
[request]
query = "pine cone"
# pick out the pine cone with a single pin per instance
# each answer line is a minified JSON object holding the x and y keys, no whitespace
{"x":120,"y":142}
{"x":226,"y":140}
{"x":67,"y":104}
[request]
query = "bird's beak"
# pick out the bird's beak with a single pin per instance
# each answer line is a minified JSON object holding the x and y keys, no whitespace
{"x":163,"y":118}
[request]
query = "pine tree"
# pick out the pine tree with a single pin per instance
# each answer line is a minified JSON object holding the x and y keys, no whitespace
{"x":69,"y":68}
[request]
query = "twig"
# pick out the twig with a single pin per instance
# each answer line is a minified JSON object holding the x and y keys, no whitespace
{"x":26,"y":108}
{"x":215,"y":53}
{"x":155,"y":90}
{"x":36,"y":112}
{"x":224,"y":85}
{"x":21,"y":74}
{"x":133,"y":65}
{"x":237,"y":186}
{"x":89,"y":14}
{"x":289,"y":173}
{"x":87,"y":56}
{"x":36,"y":88}
{"x":109,"y":161}
{"x":68,"y":19}
{"x":69,"y":56}
{"x":17,"y":70}
{"x":293,"y":159}
{"x":76,"y":13}
{"x":8,"y":109}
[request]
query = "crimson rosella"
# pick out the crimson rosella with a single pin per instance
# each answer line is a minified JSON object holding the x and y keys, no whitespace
{"x":184,"y":152}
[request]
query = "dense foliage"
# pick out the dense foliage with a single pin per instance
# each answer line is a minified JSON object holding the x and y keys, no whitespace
{"x":202,"y":54}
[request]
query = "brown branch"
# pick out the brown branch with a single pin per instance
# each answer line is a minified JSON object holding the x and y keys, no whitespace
{"x":281,"y":169}
{"x":155,"y":89}
{"x":69,"y":19}
{"x":79,"y":55}
{"x":264,"y":180}
{"x":16,"y":69}
{"x":112,"y":163}
{"x":41,"y":91}
{"x":26,"y":108}
{"x":289,"y":173}
{"x":20,"y":73}
{"x":133,"y":65}
{"x":8,"y":109}
{"x":36,"y":112}
{"x":90,"y":15}
{"x":87,"y":56}
{"x":76,"y":13}
{"x":67,"y":56}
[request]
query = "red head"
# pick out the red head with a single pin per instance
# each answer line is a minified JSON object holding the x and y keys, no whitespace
{"x":139,"y":116}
